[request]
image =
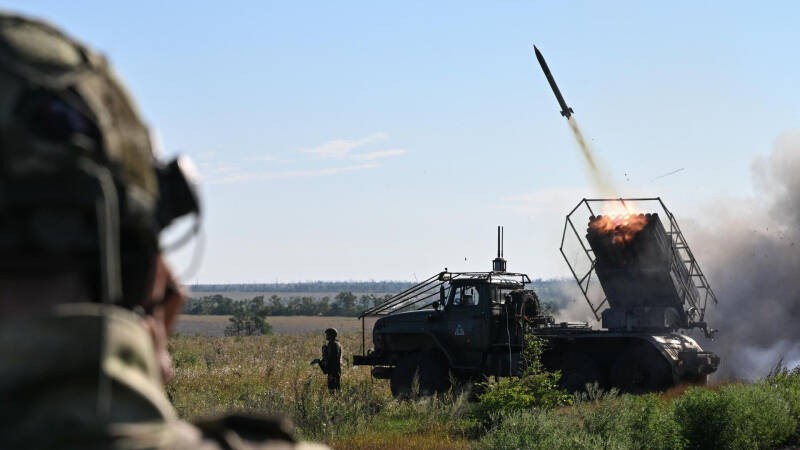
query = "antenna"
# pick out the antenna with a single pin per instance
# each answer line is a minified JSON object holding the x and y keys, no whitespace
{"x":499,"y":244}
{"x":499,"y":264}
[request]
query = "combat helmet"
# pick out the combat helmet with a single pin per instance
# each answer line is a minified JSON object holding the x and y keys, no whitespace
{"x":79,"y":181}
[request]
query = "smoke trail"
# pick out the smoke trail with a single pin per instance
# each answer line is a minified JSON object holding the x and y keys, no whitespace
{"x":599,"y":176}
{"x":751,"y":255}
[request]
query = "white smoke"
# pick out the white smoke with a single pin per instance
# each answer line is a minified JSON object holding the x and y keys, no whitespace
{"x":750,"y":251}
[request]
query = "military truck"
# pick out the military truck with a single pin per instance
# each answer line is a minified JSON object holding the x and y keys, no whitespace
{"x":466,"y":326}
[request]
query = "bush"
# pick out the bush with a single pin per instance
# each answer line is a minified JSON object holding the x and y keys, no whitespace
{"x":247,"y":324}
{"x":787,"y":383}
{"x":538,"y":429}
{"x":701,"y":416}
{"x":597,"y":420}
{"x":735,"y":417}
{"x":652,"y":424}
{"x":535,"y":388}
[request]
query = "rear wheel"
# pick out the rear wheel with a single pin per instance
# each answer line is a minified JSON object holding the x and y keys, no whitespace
{"x":578,"y":370}
{"x":641,"y":370}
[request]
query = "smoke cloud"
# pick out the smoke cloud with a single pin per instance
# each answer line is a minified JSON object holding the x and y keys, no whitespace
{"x":750,"y":251}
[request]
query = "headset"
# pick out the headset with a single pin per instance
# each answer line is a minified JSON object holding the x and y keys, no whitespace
{"x":80,"y":188}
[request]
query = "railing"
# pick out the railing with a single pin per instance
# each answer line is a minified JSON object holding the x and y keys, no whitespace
{"x":692,"y":286}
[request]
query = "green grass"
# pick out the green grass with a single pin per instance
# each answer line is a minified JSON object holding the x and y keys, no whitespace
{"x":271,"y":374}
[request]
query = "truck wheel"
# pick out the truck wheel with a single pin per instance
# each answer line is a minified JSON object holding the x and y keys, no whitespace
{"x":431,"y":370}
{"x":434,"y":373}
{"x":403,"y":375}
{"x":641,"y":370}
{"x":578,"y":370}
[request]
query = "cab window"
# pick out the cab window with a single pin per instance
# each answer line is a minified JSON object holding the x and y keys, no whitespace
{"x":465,"y":296}
{"x":500,"y":295}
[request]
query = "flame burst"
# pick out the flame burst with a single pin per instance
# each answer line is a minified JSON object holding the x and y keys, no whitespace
{"x":623,"y":228}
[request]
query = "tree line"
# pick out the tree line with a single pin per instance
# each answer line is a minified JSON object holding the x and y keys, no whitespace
{"x":343,"y":304}
{"x":369,"y":287}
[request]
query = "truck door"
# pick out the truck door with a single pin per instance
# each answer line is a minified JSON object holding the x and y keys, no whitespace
{"x":467,"y":325}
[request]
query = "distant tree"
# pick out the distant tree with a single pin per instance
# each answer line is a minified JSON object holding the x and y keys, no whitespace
{"x":247,"y":324}
{"x":256,"y":305}
{"x":347,"y":303}
{"x":307,"y":306}
{"x":366,"y":301}
{"x":276,"y":306}
{"x":323,"y":306}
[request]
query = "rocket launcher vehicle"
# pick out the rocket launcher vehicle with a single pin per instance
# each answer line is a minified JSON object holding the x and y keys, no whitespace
{"x":647,"y":272}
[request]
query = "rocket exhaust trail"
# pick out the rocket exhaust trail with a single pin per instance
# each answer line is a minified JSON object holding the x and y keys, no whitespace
{"x":599,"y":176}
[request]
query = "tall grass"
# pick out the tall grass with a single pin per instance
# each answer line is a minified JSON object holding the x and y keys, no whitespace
{"x":271,"y":374}
{"x":761,"y":415}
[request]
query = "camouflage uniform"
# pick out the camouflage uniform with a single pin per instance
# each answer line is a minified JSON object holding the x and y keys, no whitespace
{"x":331,"y":362}
{"x":85,"y":375}
{"x":49,"y":364}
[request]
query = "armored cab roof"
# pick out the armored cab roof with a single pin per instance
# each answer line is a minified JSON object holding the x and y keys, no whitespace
{"x":485,"y":277}
{"x":423,"y":294}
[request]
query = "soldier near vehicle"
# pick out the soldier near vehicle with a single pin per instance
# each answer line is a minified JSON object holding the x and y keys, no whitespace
{"x":86,"y":299}
{"x":331,"y":361}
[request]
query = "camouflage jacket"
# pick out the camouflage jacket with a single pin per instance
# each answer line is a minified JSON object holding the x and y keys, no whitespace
{"x":85,"y":376}
{"x":331,"y":361}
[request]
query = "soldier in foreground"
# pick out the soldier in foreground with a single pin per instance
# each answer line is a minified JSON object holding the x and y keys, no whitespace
{"x":331,"y":361}
{"x":86,"y":300}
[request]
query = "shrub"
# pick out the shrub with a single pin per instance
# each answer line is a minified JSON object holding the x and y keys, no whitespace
{"x":787,"y":383}
{"x":597,"y":420}
{"x":538,"y":429}
{"x":652,"y":424}
{"x":701,"y":416}
{"x":760,"y":416}
{"x":247,"y":324}
{"x":627,"y":421}
{"x":735,"y":417}
{"x":535,"y":388}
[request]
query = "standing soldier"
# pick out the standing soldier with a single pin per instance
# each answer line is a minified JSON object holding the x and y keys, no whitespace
{"x":86,"y":299}
{"x":331,"y":362}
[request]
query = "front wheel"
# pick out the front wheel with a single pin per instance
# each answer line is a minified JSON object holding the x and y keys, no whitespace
{"x":403,"y":376}
{"x":430,"y":370}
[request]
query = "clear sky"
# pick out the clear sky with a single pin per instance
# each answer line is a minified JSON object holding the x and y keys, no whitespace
{"x":344,"y":140}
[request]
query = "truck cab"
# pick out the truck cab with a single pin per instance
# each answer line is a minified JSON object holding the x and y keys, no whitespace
{"x":454,"y":335}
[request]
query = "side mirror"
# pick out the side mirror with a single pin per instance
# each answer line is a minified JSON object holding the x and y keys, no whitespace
{"x":436,"y":305}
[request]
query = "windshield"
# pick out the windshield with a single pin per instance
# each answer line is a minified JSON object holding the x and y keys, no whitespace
{"x":465,"y":296}
{"x":501,"y":295}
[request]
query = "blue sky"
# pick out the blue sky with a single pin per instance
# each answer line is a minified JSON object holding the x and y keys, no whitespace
{"x":386,"y":141}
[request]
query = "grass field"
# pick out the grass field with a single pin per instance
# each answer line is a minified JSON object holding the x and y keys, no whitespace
{"x":271,"y":374}
{"x":191,"y":325}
